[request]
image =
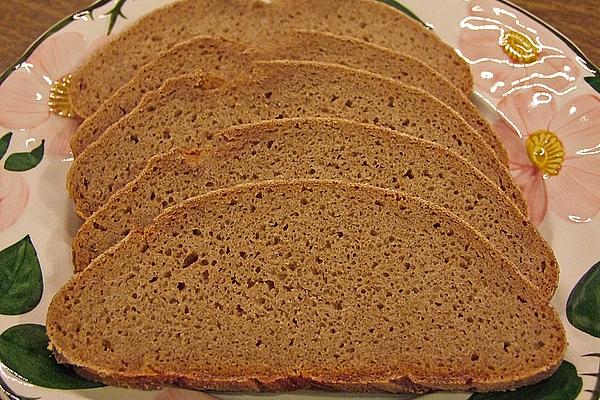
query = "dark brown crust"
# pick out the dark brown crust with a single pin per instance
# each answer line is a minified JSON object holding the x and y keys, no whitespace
{"x":279,"y":384}
{"x":402,"y":384}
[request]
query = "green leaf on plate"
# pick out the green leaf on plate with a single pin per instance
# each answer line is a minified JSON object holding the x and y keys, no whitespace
{"x":402,"y":8}
{"x":115,"y":13}
{"x":594,"y":82}
{"x":564,"y":384}
{"x":4,"y":143}
{"x":583,"y":305}
{"x":25,"y":161}
{"x":24,"y":350}
{"x":21,"y":283}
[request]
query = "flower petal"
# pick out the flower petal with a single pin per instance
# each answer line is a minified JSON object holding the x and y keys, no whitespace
{"x":59,"y":54}
{"x":14,"y":194}
{"x":528,"y":110}
{"x":577,"y":124}
{"x":180,"y":394}
{"x":23,"y":100}
{"x":555,"y":75}
{"x":492,"y":79}
{"x":57,"y":131}
{"x":477,"y":45}
{"x":532,"y":184}
{"x":561,"y":70}
{"x":575,"y":192}
{"x":515,"y":146}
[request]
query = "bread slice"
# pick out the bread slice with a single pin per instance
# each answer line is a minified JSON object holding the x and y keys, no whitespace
{"x":187,"y":111}
{"x":256,"y":21}
{"x":224,"y":57}
{"x":323,"y":149}
{"x":285,"y":285}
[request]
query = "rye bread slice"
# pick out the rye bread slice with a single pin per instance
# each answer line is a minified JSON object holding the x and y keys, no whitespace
{"x":225,"y":57}
{"x":286,"y":285}
{"x":187,"y":111}
{"x":323,"y":149}
{"x":256,"y":21}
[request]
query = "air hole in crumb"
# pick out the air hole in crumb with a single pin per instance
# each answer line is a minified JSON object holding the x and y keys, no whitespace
{"x":539,"y":345}
{"x":190,"y":259}
{"x":99,"y":227}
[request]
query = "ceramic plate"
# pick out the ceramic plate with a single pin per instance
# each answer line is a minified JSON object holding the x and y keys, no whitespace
{"x":533,"y":85}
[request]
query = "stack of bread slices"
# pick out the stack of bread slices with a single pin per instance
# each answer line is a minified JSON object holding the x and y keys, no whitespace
{"x":296,"y":194}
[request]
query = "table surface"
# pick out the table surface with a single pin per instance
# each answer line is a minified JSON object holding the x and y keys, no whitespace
{"x":22,"y":21}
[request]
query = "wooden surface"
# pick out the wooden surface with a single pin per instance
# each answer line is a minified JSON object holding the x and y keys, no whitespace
{"x":22,"y":21}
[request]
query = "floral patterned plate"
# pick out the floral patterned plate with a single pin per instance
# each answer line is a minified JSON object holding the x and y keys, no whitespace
{"x":538,"y":90}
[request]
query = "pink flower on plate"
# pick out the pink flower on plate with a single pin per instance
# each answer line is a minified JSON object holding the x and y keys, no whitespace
{"x":25,"y":94}
{"x":180,"y":394}
{"x":507,"y":54}
{"x":14,"y":194}
{"x":554,"y":153}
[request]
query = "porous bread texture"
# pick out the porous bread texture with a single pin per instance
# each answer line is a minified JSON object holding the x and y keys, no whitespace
{"x":255,"y":21}
{"x":209,"y":54}
{"x":186,"y":111}
{"x":225,"y":57}
{"x":285,"y":285}
{"x":323,"y":149}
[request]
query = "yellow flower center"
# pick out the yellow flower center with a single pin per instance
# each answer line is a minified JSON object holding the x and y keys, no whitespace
{"x":519,"y":47}
{"x":59,"y":102}
{"x":545,"y":151}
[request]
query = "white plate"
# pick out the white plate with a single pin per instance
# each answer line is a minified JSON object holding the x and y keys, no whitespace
{"x":548,"y":93}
